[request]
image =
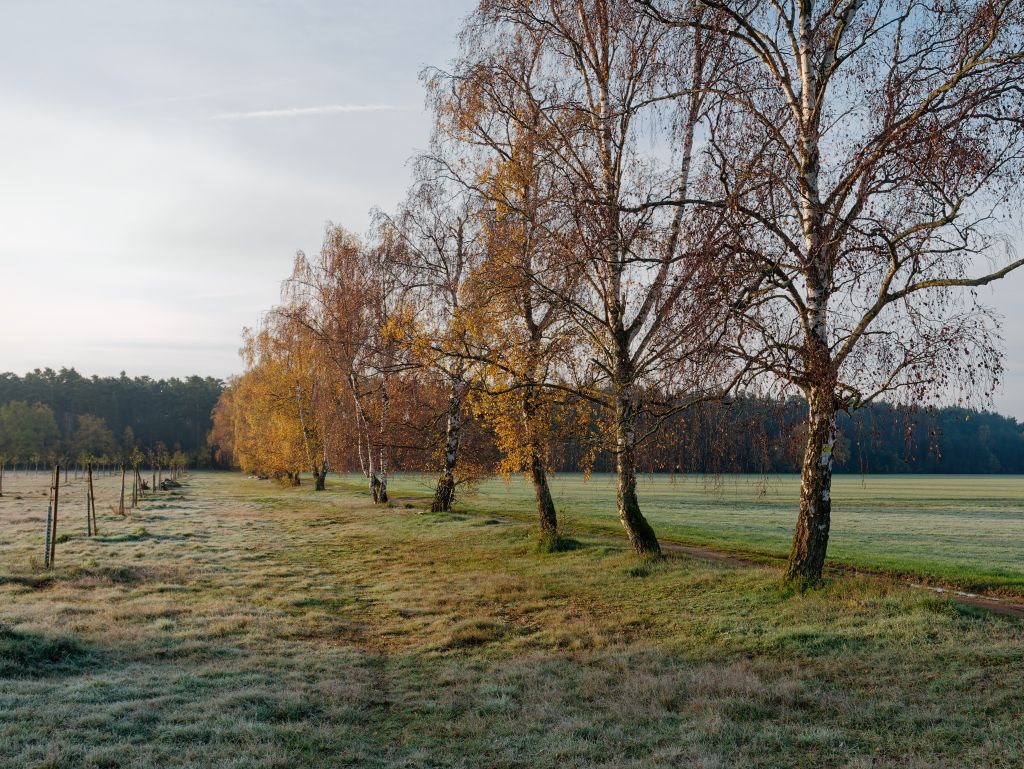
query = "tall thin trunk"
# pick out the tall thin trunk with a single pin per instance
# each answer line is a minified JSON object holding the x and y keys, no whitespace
{"x":546,"y":515}
{"x":49,"y":521}
{"x":545,"y":504}
{"x":56,"y":500}
{"x":641,"y":535}
{"x":382,"y":480}
{"x":363,"y":431}
{"x":444,"y":493}
{"x":371,"y":470}
{"x":120,"y":506}
{"x":810,"y":540}
{"x":92,"y":503}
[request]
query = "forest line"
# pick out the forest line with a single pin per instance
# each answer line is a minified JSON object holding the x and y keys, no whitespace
{"x":49,"y":416}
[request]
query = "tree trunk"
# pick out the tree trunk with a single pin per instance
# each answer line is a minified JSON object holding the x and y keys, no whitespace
{"x":382,"y":481}
{"x":120,"y":507}
{"x":546,"y":515}
{"x":444,"y":494}
{"x":56,"y":500}
{"x":545,"y":504}
{"x":371,"y":471}
{"x":810,"y":542}
{"x":92,"y":503}
{"x":320,"y":476}
{"x":641,"y":535}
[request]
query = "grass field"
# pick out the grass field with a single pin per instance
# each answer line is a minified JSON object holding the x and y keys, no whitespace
{"x":962,"y":530}
{"x":237,"y":624}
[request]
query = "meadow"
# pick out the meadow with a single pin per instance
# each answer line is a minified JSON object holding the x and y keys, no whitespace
{"x":234,"y":623}
{"x":961,"y":530}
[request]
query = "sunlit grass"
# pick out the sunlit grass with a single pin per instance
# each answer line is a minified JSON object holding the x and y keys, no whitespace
{"x":252,"y":626}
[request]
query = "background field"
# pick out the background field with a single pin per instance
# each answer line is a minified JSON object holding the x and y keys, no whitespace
{"x":966,"y":530}
{"x":238,"y":624}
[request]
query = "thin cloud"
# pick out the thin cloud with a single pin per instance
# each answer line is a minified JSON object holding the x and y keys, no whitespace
{"x":325,"y":109}
{"x":160,"y":100}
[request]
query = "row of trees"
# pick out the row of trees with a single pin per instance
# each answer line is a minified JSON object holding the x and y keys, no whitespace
{"x":632,"y":207}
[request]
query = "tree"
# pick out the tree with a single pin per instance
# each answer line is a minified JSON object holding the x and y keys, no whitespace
{"x":347,"y":299}
{"x":27,"y":432}
{"x":93,"y":439}
{"x":866,"y":154}
{"x":223,"y":426}
{"x":598,"y":77}
{"x":434,"y":243}
{"x":518,"y":327}
{"x":268,"y":437}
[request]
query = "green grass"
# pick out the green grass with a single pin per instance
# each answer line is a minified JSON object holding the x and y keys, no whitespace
{"x":253,"y":626}
{"x":966,"y":531}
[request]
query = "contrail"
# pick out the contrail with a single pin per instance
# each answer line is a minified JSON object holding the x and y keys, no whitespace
{"x":325,"y":109}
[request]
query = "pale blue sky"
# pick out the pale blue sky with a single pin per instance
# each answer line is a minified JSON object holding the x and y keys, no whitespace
{"x":160,"y":163}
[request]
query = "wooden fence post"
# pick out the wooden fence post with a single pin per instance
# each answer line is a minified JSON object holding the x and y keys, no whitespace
{"x":56,"y":501}
{"x":49,"y":526}
{"x":92,"y":502}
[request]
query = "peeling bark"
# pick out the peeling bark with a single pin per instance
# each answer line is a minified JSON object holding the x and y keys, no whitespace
{"x":444,"y":493}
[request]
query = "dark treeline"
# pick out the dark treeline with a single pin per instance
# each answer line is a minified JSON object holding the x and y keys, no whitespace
{"x":758,"y":436}
{"x":748,"y":435}
{"x":105,"y":416}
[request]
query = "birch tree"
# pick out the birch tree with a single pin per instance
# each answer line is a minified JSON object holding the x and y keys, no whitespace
{"x":489,"y":127}
{"x":613,"y":85}
{"x":351,"y":299}
{"x":869,"y":153}
{"x":434,"y":246}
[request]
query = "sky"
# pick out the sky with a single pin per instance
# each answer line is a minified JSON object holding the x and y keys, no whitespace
{"x":161,"y":162}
